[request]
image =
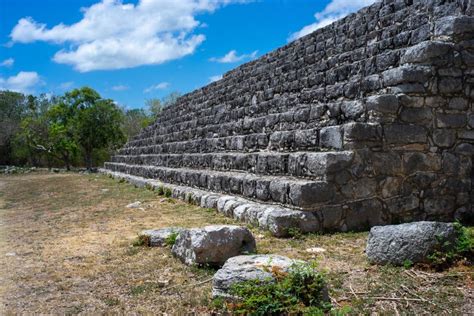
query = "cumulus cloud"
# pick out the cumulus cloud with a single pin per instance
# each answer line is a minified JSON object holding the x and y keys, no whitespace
{"x":7,"y":62}
{"x":215,"y":78}
{"x":116,"y":35}
{"x":232,"y":57}
{"x":24,"y":82}
{"x":335,"y":10}
{"x":120,"y":87}
{"x":159,"y":86}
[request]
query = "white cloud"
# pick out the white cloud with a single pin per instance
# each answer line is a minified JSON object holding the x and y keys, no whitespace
{"x":232,"y":57}
{"x":159,"y":86}
{"x":335,"y":10}
{"x":66,"y":85}
{"x":215,"y":78}
{"x":24,"y":82}
{"x":120,"y":87}
{"x":114,"y":35}
{"x":7,"y":62}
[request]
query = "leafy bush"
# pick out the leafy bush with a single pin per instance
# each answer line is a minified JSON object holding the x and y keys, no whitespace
{"x":295,"y":233}
{"x":167,"y":192}
{"x":447,"y":254}
{"x":301,"y":291}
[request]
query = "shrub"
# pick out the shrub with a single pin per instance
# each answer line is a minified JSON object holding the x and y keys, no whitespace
{"x":295,"y":233}
{"x":300,"y":291}
{"x":447,"y":254}
{"x":167,"y":192}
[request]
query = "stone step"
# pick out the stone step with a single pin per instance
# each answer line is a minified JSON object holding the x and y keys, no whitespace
{"x":338,"y":137}
{"x":203,"y":127}
{"x":280,"y":221}
{"x":260,"y":118}
{"x":315,"y":165}
{"x":288,"y":191}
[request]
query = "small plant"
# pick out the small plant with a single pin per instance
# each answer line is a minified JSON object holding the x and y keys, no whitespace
{"x":142,"y":240}
{"x":111,"y":301}
{"x":407,"y":263}
{"x":160,"y":190}
{"x":301,"y":291}
{"x":295,"y":233}
{"x":171,"y":239}
{"x":167,"y":192}
{"x":448,"y":254}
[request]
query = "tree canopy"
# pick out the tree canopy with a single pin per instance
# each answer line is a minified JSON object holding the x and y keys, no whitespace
{"x":79,"y":128}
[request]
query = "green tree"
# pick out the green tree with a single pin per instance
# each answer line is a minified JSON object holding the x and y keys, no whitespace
{"x":170,"y":99}
{"x":60,"y":140}
{"x":134,"y":121}
{"x":155,"y":105}
{"x":13,"y":107}
{"x":97,"y":123}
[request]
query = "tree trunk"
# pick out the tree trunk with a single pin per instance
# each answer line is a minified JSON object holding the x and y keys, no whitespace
{"x":67,"y":162}
{"x":88,"y":159}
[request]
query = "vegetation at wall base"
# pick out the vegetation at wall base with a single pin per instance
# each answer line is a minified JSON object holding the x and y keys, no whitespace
{"x":462,"y":251}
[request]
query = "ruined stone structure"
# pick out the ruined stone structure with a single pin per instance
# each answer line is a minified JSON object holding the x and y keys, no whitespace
{"x":367,"y":121}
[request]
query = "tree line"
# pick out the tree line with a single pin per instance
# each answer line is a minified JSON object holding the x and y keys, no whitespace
{"x":77,"y":129}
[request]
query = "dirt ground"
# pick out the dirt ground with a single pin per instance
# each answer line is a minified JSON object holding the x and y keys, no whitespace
{"x":66,"y":247}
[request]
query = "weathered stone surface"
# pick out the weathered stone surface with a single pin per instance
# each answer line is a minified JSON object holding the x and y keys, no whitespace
{"x":244,"y":268}
{"x":387,"y":103}
{"x":254,"y":267}
{"x":158,"y":237}
{"x":426,"y":51}
{"x":213,"y":245}
{"x":395,"y":94}
{"x":331,"y":137}
{"x":405,"y":134}
{"x":395,"y":244}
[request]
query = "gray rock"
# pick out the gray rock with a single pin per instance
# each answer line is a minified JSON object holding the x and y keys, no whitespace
{"x":244,"y":268}
{"x":394,"y":244}
{"x":331,"y":137}
{"x":158,"y":237}
{"x":280,"y":220}
{"x":253,"y":267}
{"x":426,"y":51}
{"x":213,"y":245}
{"x":136,"y":204}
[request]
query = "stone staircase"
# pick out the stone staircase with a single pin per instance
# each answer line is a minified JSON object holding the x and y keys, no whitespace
{"x":367,"y":121}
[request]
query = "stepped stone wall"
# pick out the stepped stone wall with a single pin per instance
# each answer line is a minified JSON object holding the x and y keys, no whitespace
{"x":367,"y":121}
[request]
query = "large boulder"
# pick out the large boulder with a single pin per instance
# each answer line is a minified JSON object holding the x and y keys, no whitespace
{"x":213,"y":245}
{"x":158,"y":237}
{"x":396,"y":244}
{"x":244,"y":268}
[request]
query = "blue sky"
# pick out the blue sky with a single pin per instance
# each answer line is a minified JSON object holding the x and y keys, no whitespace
{"x":131,"y":51}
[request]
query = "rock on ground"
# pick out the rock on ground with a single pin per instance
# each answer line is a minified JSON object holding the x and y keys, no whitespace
{"x":243,"y":268}
{"x":158,"y":237}
{"x":213,"y":245}
{"x":136,"y":204}
{"x":250,"y":267}
{"x":395,"y":244}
